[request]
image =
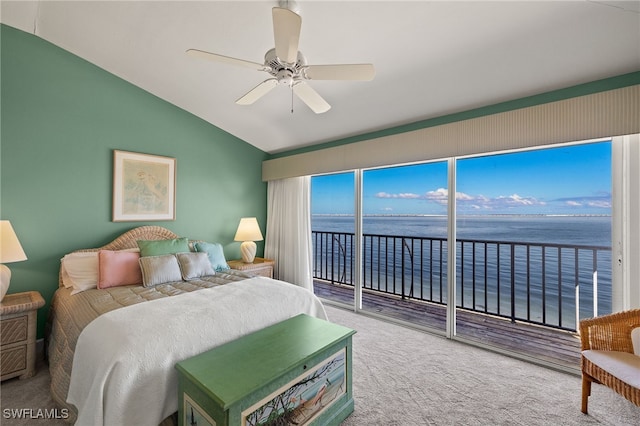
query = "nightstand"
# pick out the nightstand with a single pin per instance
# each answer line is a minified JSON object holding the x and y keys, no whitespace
{"x":18,"y":315}
{"x":260,"y":266}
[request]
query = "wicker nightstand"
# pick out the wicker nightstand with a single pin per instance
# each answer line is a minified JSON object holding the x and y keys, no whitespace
{"x":18,"y":315}
{"x":260,"y":266}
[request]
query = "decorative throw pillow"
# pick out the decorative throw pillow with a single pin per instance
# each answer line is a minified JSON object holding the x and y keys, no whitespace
{"x":194,"y":265}
{"x":159,"y":270}
{"x":215,"y":253}
{"x":116,"y":268}
{"x":160,"y":247}
{"x":80,"y":271}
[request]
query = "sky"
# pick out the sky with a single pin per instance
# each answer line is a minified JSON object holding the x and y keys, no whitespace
{"x":571,"y":180}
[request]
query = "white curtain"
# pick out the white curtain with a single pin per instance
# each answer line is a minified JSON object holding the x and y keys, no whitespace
{"x":288,"y":240}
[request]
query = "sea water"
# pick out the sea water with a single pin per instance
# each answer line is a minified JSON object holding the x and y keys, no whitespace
{"x":551,"y":288}
{"x":569,"y":230}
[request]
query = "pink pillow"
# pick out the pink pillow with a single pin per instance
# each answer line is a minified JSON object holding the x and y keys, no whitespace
{"x":117,"y":268}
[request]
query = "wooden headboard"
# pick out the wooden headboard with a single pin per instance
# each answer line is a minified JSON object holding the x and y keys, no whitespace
{"x":129,"y":239}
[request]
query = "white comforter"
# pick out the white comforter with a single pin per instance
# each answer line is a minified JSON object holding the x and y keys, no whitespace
{"x":124,"y":364}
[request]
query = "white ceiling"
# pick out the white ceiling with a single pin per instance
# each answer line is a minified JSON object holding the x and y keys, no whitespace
{"x":431,"y":57}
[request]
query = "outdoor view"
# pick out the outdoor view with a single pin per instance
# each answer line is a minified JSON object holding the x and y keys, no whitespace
{"x":533,"y":232}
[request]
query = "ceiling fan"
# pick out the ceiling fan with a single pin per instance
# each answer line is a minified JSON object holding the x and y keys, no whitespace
{"x":288,"y":66}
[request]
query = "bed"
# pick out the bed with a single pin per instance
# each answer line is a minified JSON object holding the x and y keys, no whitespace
{"x":112,"y":350}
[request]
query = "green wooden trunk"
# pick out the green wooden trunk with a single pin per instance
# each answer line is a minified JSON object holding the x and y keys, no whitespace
{"x":298,"y":370}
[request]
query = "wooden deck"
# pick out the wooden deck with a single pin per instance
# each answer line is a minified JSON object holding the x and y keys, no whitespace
{"x":556,"y":348}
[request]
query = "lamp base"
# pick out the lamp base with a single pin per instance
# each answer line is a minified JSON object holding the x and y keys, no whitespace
{"x":248,"y":250}
{"x":5,"y":278}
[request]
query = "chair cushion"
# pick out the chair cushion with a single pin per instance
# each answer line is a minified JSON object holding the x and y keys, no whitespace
{"x":622,"y":365}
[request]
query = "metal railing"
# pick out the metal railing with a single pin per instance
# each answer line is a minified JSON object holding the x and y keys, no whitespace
{"x":554,"y":285}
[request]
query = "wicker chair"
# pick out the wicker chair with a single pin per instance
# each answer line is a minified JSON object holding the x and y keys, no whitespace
{"x":609,"y":333}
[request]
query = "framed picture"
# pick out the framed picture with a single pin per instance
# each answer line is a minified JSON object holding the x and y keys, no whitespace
{"x":303,"y":399}
{"x":144,"y":187}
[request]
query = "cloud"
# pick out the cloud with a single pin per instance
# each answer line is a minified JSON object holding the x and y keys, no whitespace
{"x":464,"y":200}
{"x":516,"y":200}
{"x":512,"y":203}
{"x":439,"y":196}
{"x":600,"y":204}
{"x":600,"y":201}
{"x":406,"y":195}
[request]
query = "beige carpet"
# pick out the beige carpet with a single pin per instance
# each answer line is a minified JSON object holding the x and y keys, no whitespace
{"x":406,"y":377}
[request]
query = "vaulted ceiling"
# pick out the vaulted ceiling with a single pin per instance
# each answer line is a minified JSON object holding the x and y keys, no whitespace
{"x":431,"y":57}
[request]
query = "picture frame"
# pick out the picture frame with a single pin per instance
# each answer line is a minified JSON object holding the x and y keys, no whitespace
{"x":304,"y":398}
{"x":144,"y":187}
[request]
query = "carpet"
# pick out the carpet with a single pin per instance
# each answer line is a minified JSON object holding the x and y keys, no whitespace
{"x":404,"y":377}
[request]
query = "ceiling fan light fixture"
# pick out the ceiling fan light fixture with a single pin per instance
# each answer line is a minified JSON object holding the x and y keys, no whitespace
{"x":285,"y":76}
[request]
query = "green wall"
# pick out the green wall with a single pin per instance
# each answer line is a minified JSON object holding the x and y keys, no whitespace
{"x":61,"y":119}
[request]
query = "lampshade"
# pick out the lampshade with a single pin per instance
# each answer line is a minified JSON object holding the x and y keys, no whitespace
{"x":10,"y":248}
{"x":10,"y":251}
{"x":248,"y":230}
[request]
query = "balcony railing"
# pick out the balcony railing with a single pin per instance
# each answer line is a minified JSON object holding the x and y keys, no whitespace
{"x":554,"y":285}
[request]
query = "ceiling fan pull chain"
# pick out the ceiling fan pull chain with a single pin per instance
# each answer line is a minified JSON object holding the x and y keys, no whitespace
{"x":291,"y":99}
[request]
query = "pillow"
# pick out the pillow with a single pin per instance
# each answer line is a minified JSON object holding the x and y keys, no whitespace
{"x":160,"y":247}
{"x":116,"y":268}
{"x":80,"y":271}
{"x":159,"y":270}
{"x":215,"y":253}
{"x":635,"y":340}
{"x":194,"y":265}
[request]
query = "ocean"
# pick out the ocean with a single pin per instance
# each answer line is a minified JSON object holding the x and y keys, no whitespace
{"x":570,"y":230}
{"x":541,"y":259}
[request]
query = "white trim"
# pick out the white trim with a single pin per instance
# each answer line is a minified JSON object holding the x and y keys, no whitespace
{"x":452,"y":248}
{"x":625,"y":233}
{"x":357,"y":273}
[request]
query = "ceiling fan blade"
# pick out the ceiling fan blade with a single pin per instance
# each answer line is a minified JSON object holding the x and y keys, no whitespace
{"x":257,"y":92}
{"x":362,"y":72}
{"x":311,"y":97}
{"x":286,"y":32}
{"x":226,"y":59}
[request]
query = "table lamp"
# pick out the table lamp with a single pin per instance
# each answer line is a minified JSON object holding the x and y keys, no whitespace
{"x":248,"y":232}
{"x":10,"y":251}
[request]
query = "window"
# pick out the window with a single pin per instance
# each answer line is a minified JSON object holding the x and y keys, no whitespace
{"x":532,"y":243}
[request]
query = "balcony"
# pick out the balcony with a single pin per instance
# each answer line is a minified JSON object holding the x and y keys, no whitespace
{"x":517,"y":297}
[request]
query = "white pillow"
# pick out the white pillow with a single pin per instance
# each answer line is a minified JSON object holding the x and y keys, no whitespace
{"x":66,"y":281}
{"x":635,"y":339}
{"x":80,"y":271}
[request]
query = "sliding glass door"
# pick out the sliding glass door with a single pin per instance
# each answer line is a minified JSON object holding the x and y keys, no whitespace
{"x":534,"y":247}
{"x":404,"y":243}
{"x":514,"y":263}
{"x":333,"y":236}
